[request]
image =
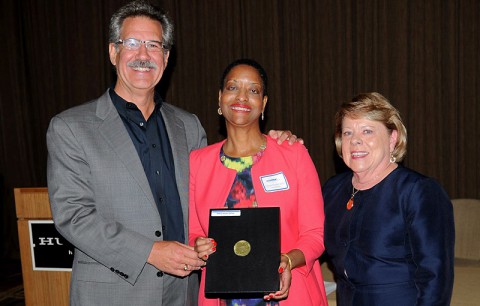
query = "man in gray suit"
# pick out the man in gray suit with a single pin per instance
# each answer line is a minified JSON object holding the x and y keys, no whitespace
{"x":118,"y":176}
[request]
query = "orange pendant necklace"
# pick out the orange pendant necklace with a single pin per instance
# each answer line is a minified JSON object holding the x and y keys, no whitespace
{"x":350,"y":202}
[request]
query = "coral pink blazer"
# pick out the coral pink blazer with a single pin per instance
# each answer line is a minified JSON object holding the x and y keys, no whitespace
{"x":301,"y":208}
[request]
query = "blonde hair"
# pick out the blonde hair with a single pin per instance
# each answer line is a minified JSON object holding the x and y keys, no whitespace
{"x":373,"y":106}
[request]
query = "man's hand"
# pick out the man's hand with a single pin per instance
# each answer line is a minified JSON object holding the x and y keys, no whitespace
{"x":174,"y":258}
{"x":281,"y":136}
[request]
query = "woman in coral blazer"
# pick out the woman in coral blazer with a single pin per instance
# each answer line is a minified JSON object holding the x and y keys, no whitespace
{"x":231,"y":174}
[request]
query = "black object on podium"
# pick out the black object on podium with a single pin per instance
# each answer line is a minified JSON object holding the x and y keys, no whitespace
{"x":245,"y":264}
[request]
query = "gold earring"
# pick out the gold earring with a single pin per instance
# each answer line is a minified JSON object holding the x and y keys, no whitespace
{"x":392,"y":158}
{"x":219,"y":111}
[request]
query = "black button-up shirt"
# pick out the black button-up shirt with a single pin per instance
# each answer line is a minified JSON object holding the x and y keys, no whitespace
{"x":153,"y":147}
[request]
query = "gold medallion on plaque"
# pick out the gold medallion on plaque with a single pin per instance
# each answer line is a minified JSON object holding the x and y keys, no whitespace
{"x":242,"y":248}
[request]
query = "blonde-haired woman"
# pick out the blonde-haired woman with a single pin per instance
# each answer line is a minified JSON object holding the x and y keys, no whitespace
{"x":389,"y":230}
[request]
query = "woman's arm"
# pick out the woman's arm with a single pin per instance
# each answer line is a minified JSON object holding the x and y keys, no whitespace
{"x":432,"y":238}
{"x":311,"y":215}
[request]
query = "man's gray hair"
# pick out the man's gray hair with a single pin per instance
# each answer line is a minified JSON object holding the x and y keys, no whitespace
{"x":141,"y":8}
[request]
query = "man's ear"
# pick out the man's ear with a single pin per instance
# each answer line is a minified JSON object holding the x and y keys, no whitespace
{"x":165,"y":57}
{"x":113,"y":53}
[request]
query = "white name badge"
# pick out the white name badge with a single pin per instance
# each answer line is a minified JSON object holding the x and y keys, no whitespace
{"x":274,"y":182}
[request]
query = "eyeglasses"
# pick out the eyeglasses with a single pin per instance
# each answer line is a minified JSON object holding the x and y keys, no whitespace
{"x":134,"y":44}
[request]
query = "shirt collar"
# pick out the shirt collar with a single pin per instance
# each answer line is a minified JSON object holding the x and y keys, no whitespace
{"x":122,"y":105}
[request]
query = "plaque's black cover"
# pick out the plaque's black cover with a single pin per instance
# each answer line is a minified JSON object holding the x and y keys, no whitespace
{"x":229,"y":275}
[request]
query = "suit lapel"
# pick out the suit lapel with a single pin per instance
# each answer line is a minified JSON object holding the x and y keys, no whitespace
{"x":178,"y":142}
{"x":113,"y":131}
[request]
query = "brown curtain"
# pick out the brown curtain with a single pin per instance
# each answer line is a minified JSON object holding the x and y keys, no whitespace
{"x":422,"y":55}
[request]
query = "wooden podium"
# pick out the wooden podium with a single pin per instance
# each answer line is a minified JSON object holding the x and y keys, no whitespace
{"x":42,"y":287}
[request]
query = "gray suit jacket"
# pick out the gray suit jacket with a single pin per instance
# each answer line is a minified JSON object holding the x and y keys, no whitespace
{"x":102,"y":203}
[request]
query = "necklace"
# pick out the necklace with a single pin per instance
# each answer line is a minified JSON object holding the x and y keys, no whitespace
{"x":261,"y":148}
{"x":376,"y":179}
{"x":350,"y":202}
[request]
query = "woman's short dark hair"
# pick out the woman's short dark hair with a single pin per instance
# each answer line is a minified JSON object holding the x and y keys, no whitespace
{"x":248,"y":62}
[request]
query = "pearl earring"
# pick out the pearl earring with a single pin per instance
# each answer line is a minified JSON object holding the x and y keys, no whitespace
{"x":392,"y":158}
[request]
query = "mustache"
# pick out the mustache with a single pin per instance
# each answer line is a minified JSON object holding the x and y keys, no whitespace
{"x":142,"y":64}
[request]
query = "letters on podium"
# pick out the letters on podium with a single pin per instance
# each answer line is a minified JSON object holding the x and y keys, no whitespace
{"x":50,"y":251}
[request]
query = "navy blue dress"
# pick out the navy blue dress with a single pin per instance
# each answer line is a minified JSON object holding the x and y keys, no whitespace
{"x":395,"y":247}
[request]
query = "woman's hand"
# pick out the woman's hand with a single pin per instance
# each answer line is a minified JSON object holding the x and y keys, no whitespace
{"x":285,"y":282}
{"x":204,"y":247}
{"x":281,"y":136}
